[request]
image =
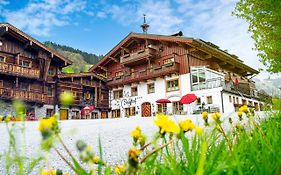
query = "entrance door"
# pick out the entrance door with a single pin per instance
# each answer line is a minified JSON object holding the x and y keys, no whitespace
{"x":146,"y":109}
{"x":103,"y":114}
{"x":63,"y":114}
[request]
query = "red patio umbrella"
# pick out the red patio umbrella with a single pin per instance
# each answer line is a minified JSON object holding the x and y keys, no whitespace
{"x":163,"y":100}
{"x":90,"y":108}
{"x":188,"y":98}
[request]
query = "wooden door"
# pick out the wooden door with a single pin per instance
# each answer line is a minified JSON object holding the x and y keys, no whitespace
{"x":63,"y":114}
{"x":103,"y":114}
{"x":146,"y":109}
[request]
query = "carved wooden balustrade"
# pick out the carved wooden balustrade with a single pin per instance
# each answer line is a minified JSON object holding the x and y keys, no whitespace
{"x":13,"y":69}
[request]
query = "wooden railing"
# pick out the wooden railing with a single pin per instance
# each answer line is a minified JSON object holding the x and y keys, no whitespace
{"x":145,"y":74}
{"x":137,"y":56}
{"x":28,"y":96}
{"x":14,"y":69}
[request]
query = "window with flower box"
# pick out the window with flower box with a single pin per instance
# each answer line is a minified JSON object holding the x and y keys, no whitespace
{"x":169,"y":61}
{"x":162,"y":108}
{"x":172,"y":85}
{"x":26,"y":63}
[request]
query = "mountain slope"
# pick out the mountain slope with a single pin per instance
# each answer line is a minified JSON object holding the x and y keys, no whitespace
{"x":82,"y":61}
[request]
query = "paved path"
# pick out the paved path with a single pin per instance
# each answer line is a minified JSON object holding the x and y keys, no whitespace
{"x":114,"y":134}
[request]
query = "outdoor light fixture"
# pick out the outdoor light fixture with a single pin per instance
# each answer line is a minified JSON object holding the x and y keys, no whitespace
{"x":1,"y":43}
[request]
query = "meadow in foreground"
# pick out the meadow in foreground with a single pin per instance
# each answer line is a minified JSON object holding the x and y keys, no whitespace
{"x":251,"y":147}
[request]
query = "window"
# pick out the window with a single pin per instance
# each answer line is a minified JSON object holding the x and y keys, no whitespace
{"x":49,"y":91}
{"x":118,"y":94}
{"x":24,"y":87}
{"x":2,"y":59}
{"x":172,"y":85}
{"x":150,"y":88}
{"x":130,"y":111}
{"x":209,"y":99}
{"x":25,"y":63}
{"x":244,"y":102}
{"x":169,"y":61}
{"x":134,"y":91}
{"x":116,"y":113}
{"x":162,"y":108}
{"x":233,"y":99}
{"x":177,"y":107}
{"x":237,"y":100}
{"x":230,"y":99}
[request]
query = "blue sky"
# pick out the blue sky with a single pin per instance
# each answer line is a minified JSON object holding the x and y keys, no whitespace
{"x":96,"y":26}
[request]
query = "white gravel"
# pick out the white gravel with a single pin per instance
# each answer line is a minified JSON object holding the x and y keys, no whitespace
{"x":115,"y":135}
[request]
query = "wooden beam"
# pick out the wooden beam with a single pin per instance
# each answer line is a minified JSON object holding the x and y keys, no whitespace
{"x":193,"y":49}
{"x":46,"y":68}
{"x":208,"y":56}
{"x":125,"y":49}
{"x":114,"y":59}
{"x":102,"y":68}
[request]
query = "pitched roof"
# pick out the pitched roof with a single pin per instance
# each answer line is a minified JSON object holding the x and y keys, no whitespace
{"x":190,"y":41}
{"x":8,"y":27}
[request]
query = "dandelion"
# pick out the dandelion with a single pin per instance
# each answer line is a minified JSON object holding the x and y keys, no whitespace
{"x":186,"y":125}
{"x":216,"y":116}
{"x":166,"y":125}
{"x":240,"y":114}
{"x":243,"y":108}
{"x":136,"y":133}
{"x":205,"y":117}
{"x":133,"y":155}
{"x":46,"y":124}
{"x":95,"y":160}
{"x":49,"y":172}
{"x":66,"y":98}
{"x":141,"y":140}
{"x":119,"y":169}
{"x":199,"y":131}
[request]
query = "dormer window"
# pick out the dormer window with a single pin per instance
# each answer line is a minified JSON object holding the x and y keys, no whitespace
{"x":25,"y":63}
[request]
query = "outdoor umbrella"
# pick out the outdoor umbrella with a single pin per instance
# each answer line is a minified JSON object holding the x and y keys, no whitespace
{"x":89,"y":108}
{"x":163,"y":100}
{"x":188,"y":98}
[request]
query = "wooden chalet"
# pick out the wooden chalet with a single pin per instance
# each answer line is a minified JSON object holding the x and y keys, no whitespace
{"x":28,"y":69}
{"x":88,"y":90}
{"x":141,"y":58}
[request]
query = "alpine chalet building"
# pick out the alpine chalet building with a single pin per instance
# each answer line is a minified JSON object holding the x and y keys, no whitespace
{"x":144,"y":68}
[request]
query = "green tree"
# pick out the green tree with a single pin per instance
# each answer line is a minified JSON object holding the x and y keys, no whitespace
{"x":264,"y":17}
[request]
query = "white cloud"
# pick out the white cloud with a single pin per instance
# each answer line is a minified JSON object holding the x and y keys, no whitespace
{"x":39,"y":17}
{"x":160,"y":15}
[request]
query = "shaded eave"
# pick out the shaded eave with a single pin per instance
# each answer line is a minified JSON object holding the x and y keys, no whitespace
{"x":10,"y":28}
{"x":77,"y":75}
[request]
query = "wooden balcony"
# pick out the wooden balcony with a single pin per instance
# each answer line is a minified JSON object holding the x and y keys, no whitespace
{"x":28,"y":96}
{"x":138,"y":57}
{"x":16,"y":70}
{"x":155,"y":72}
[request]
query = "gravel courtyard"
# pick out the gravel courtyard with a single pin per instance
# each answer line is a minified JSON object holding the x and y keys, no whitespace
{"x":115,"y":135}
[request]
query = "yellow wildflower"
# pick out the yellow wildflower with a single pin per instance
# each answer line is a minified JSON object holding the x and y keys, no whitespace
{"x":243,"y":108}
{"x":66,"y":98}
{"x":239,"y":113}
{"x":46,"y":124}
{"x":166,"y":125}
{"x":187,"y":125}
{"x":142,"y":140}
{"x":216,"y":116}
{"x":49,"y":172}
{"x":95,"y":159}
{"x":136,"y":133}
{"x":119,"y":169}
{"x":204,"y":115}
{"x":133,"y":154}
{"x":198,"y":130}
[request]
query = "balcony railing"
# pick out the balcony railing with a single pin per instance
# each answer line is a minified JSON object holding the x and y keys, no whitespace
{"x":144,"y":75}
{"x":17,"y":70}
{"x":138,"y":56}
{"x":28,"y":96}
